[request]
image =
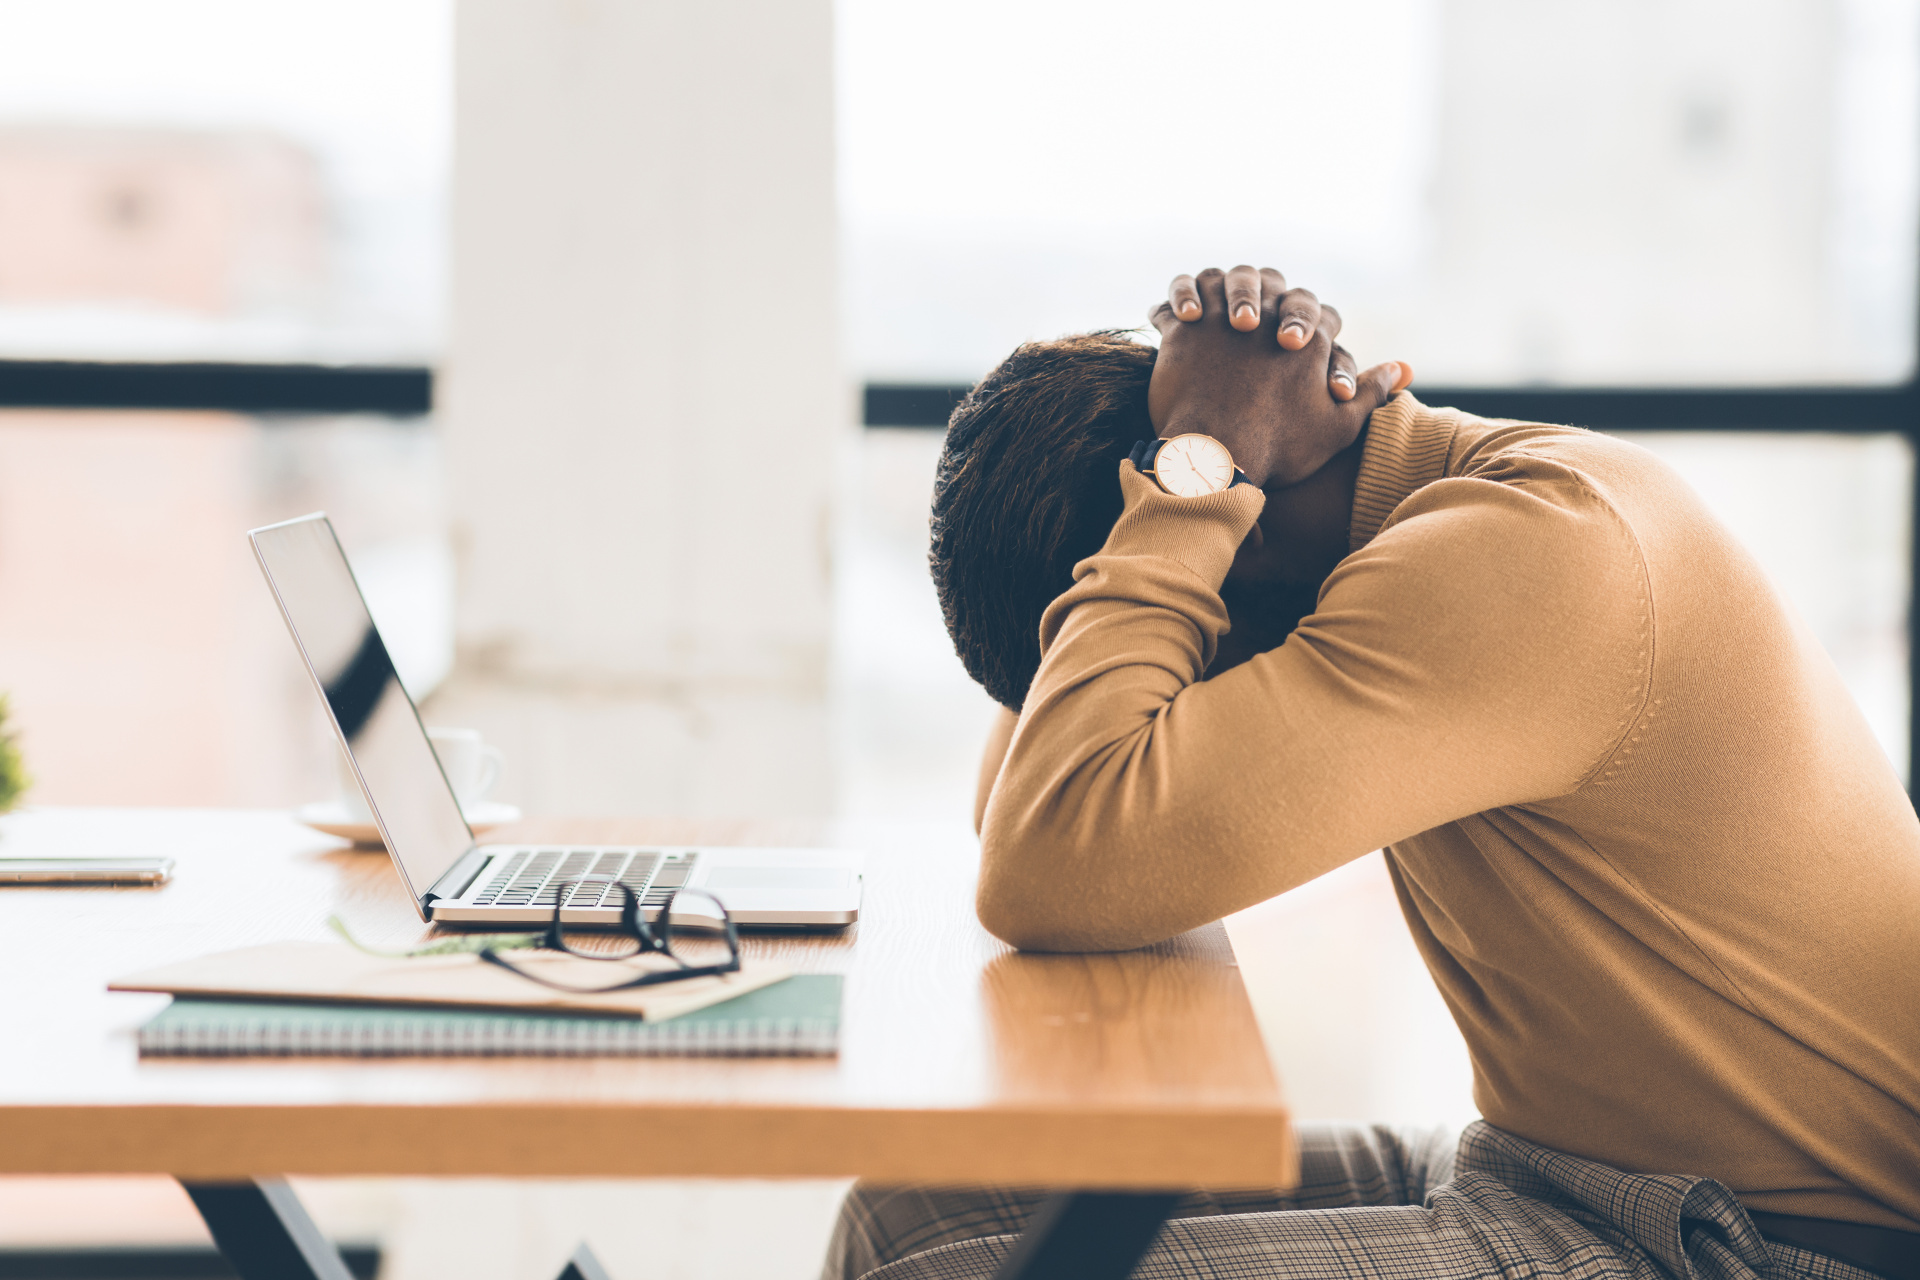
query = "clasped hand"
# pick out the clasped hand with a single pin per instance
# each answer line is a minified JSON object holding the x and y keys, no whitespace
{"x":1253,"y":364}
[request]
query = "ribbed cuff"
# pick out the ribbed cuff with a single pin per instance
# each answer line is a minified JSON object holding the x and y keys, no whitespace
{"x":1407,"y":448}
{"x":1203,"y":534}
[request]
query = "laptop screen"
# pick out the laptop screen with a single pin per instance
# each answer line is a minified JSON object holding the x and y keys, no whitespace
{"x":376,"y":719}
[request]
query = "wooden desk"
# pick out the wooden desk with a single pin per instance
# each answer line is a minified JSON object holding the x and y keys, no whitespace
{"x":962,"y":1061}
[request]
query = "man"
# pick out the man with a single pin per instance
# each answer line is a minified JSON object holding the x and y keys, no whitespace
{"x":1663,"y":875}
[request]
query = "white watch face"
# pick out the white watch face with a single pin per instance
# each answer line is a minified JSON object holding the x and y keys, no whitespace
{"x":1193,"y":466}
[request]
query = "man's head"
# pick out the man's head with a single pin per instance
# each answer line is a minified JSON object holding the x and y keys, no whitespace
{"x":1026,"y":490}
{"x":1028,"y":482}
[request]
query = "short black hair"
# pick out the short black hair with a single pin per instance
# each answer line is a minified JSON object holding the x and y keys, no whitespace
{"x":1028,"y":487}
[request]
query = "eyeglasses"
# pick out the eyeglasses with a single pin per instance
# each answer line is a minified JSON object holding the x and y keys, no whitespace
{"x":686,"y":915}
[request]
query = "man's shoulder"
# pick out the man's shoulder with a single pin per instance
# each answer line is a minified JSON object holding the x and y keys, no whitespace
{"x":1565,"y":467}
{"x":1509,"y":449}
{"x":1555,"y":487}
{"x":1659,"y":512}
{"x":1412,"y":447}
{"x":1559,"y":517}
{"x":1509,"y":574}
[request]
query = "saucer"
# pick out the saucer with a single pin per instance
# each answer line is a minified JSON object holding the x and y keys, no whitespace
{"x":332,"y":817}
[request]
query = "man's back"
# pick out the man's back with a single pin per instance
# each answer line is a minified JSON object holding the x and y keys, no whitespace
{"x":1706,"y":957}
{"x":1657,"y":863}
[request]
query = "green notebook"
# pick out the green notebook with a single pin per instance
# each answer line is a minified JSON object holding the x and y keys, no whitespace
{"x":796,"y":1017}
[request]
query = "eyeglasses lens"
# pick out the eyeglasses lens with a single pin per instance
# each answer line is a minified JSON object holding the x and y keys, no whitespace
{"x":692,"y":927}
{"x":695,"y":929}
{"x":596,"y":943}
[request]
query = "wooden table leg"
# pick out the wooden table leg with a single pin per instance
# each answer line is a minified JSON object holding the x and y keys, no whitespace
{"x":1088,"y":1235}
{"x":263,"y":1230}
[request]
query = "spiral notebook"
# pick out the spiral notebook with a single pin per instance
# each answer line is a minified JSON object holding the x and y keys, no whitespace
{"x":797,"y":1017}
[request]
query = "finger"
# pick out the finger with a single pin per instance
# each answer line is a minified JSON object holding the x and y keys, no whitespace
{"x":1380,"y":384}
{"x":1273,"y":287}
{"x":1183,"y":298}
{"x":1163,"y":319}
{"x":1243,"y":298}
{"x":1299,"y":317}
{"x":1343,"y":374}
{"x":1212,"y":284}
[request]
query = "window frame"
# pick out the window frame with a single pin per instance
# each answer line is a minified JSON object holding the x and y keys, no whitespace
{"x":398,"y":391}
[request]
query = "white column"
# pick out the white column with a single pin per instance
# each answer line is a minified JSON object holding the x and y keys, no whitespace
{"x":641,"y":400}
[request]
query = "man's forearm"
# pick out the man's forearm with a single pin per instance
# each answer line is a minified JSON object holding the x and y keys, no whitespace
{"x":1136,"y":802}
{"x":1078,"y":822}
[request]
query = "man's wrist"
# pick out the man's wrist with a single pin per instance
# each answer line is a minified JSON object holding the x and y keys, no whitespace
{"x":1203,"y":533}
{"x":1256,"y":469}
{"x":1200,"y":464}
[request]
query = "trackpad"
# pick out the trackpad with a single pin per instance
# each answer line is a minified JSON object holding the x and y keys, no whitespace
{"x":775,"y":878}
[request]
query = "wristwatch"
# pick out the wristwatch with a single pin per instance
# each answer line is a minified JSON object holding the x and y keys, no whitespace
{"x":1189,"y":466}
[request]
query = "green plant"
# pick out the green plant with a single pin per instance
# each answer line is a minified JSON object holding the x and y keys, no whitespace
{"x":13,"y":772}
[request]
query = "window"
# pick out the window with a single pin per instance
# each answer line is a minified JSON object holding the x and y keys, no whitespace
{"x":211,"y":204}
{"x":1696,"y":218}
{"x":1698,"y":193}
{"x":217,"y":180}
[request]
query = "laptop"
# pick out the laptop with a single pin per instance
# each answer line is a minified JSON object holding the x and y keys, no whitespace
{"x":455,"y":880}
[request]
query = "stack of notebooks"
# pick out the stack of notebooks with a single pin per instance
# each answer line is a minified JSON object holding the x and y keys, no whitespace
{"x":319,"y":1000}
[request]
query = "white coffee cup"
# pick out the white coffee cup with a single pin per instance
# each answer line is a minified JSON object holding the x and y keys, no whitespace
{"x":472,"y":767}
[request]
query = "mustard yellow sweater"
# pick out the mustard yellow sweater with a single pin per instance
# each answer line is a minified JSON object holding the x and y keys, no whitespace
{"x":1661,"y":871}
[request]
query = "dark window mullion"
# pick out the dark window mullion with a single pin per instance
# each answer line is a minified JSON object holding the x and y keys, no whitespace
{"x":402,"y":391}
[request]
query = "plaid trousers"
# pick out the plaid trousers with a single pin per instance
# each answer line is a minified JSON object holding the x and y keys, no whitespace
{"x":1372,"y":1204}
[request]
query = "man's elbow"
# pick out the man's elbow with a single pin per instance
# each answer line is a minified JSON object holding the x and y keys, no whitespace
{"x":1052,"y":922}
{"x":1053,"y":879}
{"x":1023,"y":897}
{"x":1027,"y":920}
{"x":1038,"y":910}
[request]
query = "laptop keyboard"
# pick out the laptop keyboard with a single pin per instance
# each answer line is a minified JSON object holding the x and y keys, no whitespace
{"x":533,"y":877}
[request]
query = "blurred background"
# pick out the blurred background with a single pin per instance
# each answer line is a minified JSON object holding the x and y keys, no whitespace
{"x":690,"y":284}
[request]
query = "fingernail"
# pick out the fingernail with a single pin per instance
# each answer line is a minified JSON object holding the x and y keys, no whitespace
{"x":1405,"y":379}
{"x":1188,"y":311}
{"x":1298,"y":330}
{"x":1245,"y":312}
{"x":1343,"y":385}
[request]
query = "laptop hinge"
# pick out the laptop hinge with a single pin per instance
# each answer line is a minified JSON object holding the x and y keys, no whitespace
{"x":454,"y":880}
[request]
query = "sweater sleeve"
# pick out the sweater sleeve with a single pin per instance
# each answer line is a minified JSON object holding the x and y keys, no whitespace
{"x":991,"y":757}
{"x":1488,"y":647}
